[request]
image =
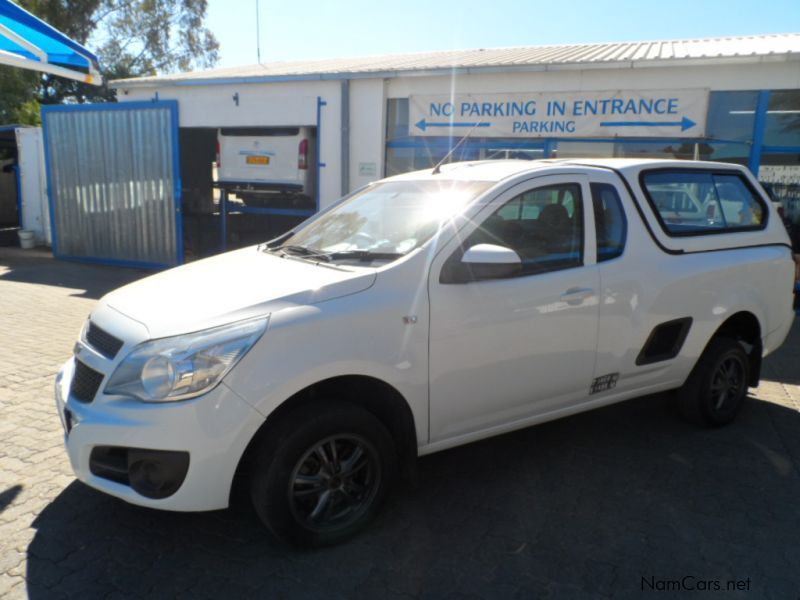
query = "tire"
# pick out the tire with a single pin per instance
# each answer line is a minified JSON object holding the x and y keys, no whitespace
{"x":322,"y":473}
{"x":715,"y":390}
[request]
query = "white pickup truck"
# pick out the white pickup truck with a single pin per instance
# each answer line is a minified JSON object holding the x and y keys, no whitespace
{"x":423,"y":312}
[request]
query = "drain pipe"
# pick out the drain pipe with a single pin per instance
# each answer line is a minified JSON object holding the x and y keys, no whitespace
{"x":345,"y":135}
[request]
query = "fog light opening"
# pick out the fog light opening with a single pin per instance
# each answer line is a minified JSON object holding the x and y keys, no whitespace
{"x":154,"y":474}
{"x":157,"y":473}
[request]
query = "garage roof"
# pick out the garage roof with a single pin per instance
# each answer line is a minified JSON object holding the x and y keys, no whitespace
{"x":533,"y":58}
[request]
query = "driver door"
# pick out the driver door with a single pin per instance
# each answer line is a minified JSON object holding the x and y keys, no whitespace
{"x":506,"y":349}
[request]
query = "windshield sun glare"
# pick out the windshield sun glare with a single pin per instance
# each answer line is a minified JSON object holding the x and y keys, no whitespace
{"x":386,"y":220}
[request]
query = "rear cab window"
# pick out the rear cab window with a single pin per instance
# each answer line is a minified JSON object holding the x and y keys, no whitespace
{"x":610,"y":221}
{"x":696,"y":202}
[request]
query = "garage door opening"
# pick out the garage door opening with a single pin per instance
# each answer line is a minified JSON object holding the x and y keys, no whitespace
{"x":245,"y":185}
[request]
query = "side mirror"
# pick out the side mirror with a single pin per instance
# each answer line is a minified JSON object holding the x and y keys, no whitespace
{"x":491,"y":254}
{"x":482,"y":261}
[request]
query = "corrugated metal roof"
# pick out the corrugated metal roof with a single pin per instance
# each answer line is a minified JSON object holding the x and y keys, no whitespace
{"x":729,"y":49}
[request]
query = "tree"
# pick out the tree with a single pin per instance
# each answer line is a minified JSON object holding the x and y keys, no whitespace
{"x":132,"y":38}
{"x":16,"y":96}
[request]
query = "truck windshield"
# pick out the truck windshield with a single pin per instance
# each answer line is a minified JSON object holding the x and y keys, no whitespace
{"x":382,"y":222}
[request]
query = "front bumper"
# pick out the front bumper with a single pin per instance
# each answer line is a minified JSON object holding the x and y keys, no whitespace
{"x":214,"y":429}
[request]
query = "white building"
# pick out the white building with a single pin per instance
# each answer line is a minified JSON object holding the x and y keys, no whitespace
{"x":730,"y":99}
{"x":365,"y":123}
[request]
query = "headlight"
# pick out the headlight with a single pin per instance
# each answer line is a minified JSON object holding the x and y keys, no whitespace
{"x":184,"y":366}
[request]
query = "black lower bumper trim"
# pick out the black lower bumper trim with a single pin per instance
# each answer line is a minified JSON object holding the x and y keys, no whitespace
{"x":152,"y":473}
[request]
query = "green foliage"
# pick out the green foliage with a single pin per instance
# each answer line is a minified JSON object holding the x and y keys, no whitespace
{"x":17,"y":88}
{"x":131,"y":38}
{"x":30,"y":113}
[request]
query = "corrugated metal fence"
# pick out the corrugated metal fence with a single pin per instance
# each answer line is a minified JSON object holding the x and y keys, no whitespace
{"x":114,"y":184}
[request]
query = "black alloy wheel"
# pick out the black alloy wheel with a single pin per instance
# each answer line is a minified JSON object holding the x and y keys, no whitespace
{"x":727,"y":384}
{"x":717,"y":386}
{"x":334,"y":482}
{"x":322,"y":472}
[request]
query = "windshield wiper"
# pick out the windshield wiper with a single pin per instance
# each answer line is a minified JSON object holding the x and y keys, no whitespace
{"x":312,"y":254}
{"x":363,"y":255}
{"x":302,"y":252}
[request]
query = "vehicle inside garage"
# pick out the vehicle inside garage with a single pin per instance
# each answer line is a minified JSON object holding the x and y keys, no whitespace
{"x":248,"y":199}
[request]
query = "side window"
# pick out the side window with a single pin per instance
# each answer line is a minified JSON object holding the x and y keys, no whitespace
{"x":739,"y":207}
{"x":609,"y":218}
{"x":700,"y":202}
{"x":544,"y":226}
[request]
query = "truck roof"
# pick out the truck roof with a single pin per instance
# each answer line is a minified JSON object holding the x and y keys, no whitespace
{"x":496,"y":170}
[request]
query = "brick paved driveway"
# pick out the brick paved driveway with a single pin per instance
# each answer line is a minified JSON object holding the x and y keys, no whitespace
{"x":583,"y":507}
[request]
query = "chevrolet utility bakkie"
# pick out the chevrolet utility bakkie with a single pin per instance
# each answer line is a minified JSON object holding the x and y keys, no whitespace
{"x":422,"y":312}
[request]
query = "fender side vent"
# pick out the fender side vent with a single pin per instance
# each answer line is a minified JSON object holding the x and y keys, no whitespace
{"x":665,"y":341}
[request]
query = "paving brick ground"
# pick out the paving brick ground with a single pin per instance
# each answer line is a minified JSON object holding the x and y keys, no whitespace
{"x":603,"y":504}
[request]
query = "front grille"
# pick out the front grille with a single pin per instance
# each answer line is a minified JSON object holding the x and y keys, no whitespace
{"x":85,"y":382}
{"x":102,"y":341}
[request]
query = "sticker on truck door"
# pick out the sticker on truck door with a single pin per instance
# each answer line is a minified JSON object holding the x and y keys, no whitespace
{"x":604,"y":383}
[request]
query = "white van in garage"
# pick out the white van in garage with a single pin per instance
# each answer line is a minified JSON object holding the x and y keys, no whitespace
{"x":267,"y":166}
{"x":422,"y":312}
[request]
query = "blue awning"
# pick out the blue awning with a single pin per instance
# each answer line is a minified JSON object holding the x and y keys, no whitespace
{"x":30,"y":43}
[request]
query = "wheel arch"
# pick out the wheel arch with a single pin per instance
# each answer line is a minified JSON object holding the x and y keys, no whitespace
{"x":376,"y":396}
{"x":745,"y":327}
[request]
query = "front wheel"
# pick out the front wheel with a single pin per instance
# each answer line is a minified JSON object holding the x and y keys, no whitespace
{"x":324,"y":473}
{"x":715,"y":390}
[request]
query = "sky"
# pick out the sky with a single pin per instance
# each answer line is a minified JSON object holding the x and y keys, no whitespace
{"x":305,"y":29}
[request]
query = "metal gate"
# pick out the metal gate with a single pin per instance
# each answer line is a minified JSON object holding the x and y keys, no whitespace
{"x":114,"y":182}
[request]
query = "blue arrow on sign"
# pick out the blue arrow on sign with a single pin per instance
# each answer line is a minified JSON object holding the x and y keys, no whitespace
{"x":685,"y":123}
{"x":423,"y":124}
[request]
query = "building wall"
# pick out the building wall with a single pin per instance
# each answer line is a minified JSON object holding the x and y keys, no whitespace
{"x":367,"y":131}
{"x":33,"y":180}
{"x":294,"y":103}
{"x":263,"y":104}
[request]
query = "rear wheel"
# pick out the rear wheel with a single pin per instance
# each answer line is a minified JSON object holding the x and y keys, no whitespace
{"x":324,"y":473}
{"x":715,"y":390}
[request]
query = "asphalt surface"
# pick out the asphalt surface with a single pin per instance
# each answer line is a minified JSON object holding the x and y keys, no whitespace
{"x":626,"y":501}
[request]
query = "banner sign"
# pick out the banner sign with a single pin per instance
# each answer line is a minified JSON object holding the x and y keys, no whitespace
{"x":642,"y":113}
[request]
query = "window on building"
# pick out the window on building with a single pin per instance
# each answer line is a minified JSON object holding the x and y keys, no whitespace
{"x":731,"y":115}
{"x":581,"y":149}
{"x":725,"y":152}
{"x":783,"y":119}
{"x":396,"y":118}
{"x":699,"y":202}
{"x":780,"y":174}
{"x":685,"y":150}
